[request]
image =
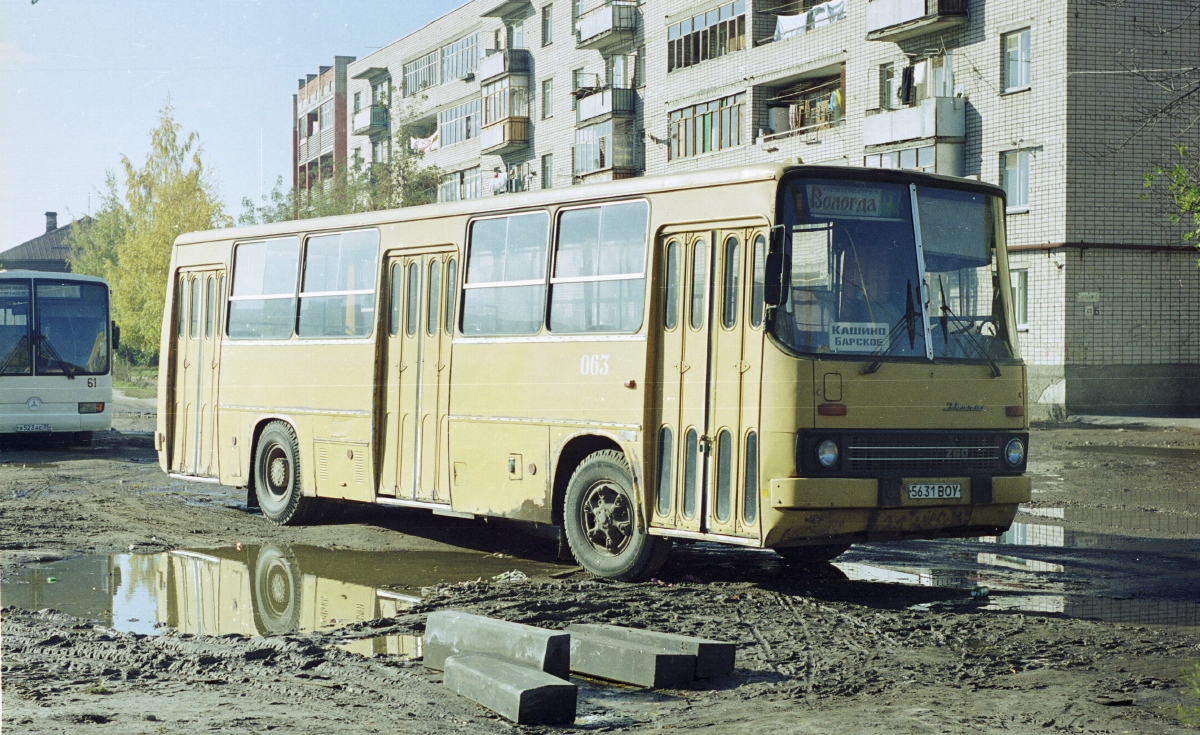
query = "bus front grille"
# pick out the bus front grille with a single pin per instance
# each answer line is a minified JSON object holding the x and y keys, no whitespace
{"x":925,"y":454}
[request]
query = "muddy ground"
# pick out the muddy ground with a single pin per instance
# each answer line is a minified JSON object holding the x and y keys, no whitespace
{"x":130,"y":607}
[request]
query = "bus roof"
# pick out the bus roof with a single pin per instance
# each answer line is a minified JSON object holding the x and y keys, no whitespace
{"x":51,"y":274}
{"x":575,"y":194}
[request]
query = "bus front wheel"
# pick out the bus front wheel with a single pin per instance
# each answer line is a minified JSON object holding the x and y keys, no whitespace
{"x":277,"y":477}
{"x":600,"y":519}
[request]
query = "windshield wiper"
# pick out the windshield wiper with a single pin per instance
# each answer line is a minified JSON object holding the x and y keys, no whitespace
{"x":67,"y":368}
{"x":12,"y":354}
{"x":909,"y":320}
{"x":972,"y":340}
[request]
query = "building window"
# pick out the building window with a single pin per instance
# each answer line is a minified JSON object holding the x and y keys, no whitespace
{"x":593,"y":148}
{"x":577,"y":9}
{"x":708,"y":35}
{"x":548,"y":171}
{"x":460,"y":58}
{"x":576,"y":83}
{"x":459,"y":123}
{"x":923,"y":158}
{"x":887,"y":86}
{"x":1020,"y":296}
{"x":379,"y":93}
{"x":381,"y":150}
{"x":548,"y":25}
{"x":1017,"y":55}
{"x":810,"y":105}
{"x":460,"y":185}
{"x":706,"y":127}
{"x":621,"y":70}
{"x":516,"y":34}
{"x":1014,"y":179}
{"x":505,"y":98}
{"x":547,"y":98}
{"x":357,"y":101}
{"x":423,"y":73}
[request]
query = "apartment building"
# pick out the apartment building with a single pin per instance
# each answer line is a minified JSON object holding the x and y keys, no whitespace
{"x":319,"y":124}
{"x":1041,"y":98}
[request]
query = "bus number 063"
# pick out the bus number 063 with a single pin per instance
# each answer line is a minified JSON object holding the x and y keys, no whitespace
{"x":593,"y":365}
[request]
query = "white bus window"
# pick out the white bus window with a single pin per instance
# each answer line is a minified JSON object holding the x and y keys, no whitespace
{"x":451,"y":276}
{"x":414,"y":299}
{"x":263,"y":302}
{"x":724,"y":475}
{"x":666,"y":456}
{"x":691,"y":461}
{"x":396,"y":298}
{"x":671,"y":287}
{"x":194,"y":314}
{"x":758,"y":285}
{"x":698,"y":283}
{"x":16,"y":306}
{"x":750,"y":502}
{"x":210,"y":306}
{"x":338,"y":296}
{"x":434,"y":292}
{"x":599,"y":269}
{"x":505,"y":284}
{"x":729,"y":287}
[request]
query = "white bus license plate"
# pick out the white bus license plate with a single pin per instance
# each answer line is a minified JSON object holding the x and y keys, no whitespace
{"x":934,"y":491}
{"x":33,"y":427}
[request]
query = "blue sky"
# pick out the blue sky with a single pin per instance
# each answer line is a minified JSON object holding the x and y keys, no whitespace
{"x":83,"y":82}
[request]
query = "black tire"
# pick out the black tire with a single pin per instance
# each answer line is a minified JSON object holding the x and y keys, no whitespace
{"x":600,"y":519}
{"x":810,"y":556}
{"x":277,"y":478}
{"x":277,"y":587}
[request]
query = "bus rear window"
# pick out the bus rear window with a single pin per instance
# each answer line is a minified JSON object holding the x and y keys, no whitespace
{"x":263,"y":302}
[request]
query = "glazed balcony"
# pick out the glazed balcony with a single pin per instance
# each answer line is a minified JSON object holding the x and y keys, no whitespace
{"x":896,"y":20}
{"x":505,"y":136}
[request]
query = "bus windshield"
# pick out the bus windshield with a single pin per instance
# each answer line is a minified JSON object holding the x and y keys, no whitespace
{"x":71,"y":336}
{"x":857,"y":286}
{"x":15,"y":313}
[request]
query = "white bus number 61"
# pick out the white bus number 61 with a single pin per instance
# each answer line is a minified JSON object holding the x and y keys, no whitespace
{"x":593,"y":365}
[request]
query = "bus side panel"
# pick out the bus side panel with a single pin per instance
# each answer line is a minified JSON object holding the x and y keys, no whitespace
{"x":499,"y":469}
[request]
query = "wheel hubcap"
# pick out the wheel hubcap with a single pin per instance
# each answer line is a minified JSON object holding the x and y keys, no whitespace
{"x":279,"y":472}
{"x":607,"y":519}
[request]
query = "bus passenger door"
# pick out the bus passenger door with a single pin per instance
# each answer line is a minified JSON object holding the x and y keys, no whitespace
{"x":434,"y":374}
{"x":397,"y":431}
{"x":684,"y":362}
{"x":184,"y":365}
{"x":206,"y":464}
{"x":197,"y":350}
{"x":726,"y":367}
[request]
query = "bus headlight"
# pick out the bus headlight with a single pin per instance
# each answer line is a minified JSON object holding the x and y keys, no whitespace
{"x":91,"y":408}
{"x":1014,"y":452}
{"x":827,"y":453}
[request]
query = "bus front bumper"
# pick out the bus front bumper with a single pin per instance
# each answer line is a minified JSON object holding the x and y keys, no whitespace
{"x":825,"y":510}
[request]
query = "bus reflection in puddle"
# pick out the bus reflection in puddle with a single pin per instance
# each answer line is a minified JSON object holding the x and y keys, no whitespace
{"x":251,"y":591}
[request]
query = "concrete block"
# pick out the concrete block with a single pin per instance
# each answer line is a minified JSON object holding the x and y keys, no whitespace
{"x":451,"y":632}
{"x":629,"y":662}
{"x":713,"y":658}
{"x":523,"y":694}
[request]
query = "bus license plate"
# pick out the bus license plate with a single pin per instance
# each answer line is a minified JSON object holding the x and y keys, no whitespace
{"x":33,"y":427}
{"x":935,"y":491}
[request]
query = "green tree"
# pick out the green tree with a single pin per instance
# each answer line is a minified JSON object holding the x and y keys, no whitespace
{"x":130,"y":242}
{"x":1178,"y":183}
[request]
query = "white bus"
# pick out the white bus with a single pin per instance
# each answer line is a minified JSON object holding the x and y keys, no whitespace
{"x":56,"y":346}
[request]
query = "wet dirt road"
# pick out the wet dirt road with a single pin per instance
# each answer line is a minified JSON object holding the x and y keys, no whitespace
{"x":175,"y":609}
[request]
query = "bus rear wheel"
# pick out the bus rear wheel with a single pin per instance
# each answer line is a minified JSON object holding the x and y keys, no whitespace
{"x":277,"y":477}
{"x":600,"y":520}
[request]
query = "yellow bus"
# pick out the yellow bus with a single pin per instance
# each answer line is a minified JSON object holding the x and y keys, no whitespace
{"x":785,"y":357}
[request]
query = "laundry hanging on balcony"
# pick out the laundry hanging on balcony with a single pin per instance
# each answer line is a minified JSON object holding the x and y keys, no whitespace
{"x":787,"y":26}
{"x":424,"y":145}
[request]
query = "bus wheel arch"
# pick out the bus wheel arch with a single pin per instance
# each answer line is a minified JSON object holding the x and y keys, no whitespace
{"x":572,"y":454}
{"x":275,"y":474}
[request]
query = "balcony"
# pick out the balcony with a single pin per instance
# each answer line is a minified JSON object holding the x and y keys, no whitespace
{"x":896,"y":20}
{"x":499,"y":63}
{"x":610,"y":24}
{"x":505,"y":136}
{"x":314,"y":145}
{"x":607,"y":101}
{"x":936,"y":117}
{"x":370,"y":120}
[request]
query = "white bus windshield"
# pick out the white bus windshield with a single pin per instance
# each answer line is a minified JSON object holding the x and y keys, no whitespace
{"x":856,"y":286}
{"x":15,"y":322}
{"x":65,"y":333}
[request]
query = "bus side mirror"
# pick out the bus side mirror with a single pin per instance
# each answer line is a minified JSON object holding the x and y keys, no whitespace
{"x":776,"y":274}
{"x":116,"y":336}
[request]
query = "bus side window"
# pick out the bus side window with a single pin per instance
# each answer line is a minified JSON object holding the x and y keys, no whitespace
{"x":434,"y":292}
{"x":729,"y":287}
{"x":666,"y":456}
{"x":181,"y":308}
{"x":414,"y":299}
{"x":700,"y":252}
{"x":397,"y":283}
{"x":337,"y":298}
{"x":759,"y":282}
{"x":451,"y":276}
{"x":724,"y":475}
{"x":194,"y":318}
{"x":220,"y":303}
{"x":209,"y":306}
{"x":691,"y":460}
{"x":504,"y":283}
{"x":750,"y":499}
{"x":262,"y":302}
{"x":671,"y":287}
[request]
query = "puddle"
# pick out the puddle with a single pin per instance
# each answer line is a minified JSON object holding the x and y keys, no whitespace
{"x":1176,"y":453}
{"x":252,"y":591}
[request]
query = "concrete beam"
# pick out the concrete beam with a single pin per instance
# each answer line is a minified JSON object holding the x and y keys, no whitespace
{"x":713,"y":658}
{"x":451,"y":632}
{"x":605,"y":657}
{"x":522,"y":694}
